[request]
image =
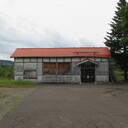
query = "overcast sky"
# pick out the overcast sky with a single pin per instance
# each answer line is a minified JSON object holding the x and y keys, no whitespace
{"x":53,"y":23}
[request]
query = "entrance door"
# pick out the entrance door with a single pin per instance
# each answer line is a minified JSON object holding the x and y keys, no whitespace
{"x":88,"y":73}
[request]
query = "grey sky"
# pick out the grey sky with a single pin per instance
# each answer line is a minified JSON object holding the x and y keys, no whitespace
{"x":53,"y":23}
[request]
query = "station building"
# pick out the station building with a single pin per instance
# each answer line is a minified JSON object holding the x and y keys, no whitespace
{"x":62,"y":65}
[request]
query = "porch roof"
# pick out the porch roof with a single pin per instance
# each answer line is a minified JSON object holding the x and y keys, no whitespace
{"x":88,"y":60}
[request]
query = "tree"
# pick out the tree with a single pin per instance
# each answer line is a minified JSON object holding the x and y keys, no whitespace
{"x":117,"y":38}
{"x":123,"y":12}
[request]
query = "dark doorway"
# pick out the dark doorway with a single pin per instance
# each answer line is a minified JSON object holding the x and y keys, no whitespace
{"x":88,"y":72}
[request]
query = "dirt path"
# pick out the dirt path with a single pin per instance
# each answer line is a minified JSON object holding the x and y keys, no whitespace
{"x":72,"y":107}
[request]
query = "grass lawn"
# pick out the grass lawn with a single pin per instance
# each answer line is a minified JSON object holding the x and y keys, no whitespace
{"x":9,"y":83}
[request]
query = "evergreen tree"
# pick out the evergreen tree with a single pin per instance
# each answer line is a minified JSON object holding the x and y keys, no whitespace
{"x":117,"y":38}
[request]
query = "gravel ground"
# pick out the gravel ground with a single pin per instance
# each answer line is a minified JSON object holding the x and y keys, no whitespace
{"x":72,"y":106}
{"x":10,"y":98}
{"x":119,"y":92}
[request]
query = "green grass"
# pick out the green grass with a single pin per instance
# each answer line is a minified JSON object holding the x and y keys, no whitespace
{"x":15,"y":84}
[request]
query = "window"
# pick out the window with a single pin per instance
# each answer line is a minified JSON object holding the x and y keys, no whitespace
{"x":30,"y":74}
{"x":56,"y":68}
{"x":63,"y":68}
{"x":49,"y":68}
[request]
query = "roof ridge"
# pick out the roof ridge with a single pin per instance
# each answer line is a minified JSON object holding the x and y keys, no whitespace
{"x":64,"y":48}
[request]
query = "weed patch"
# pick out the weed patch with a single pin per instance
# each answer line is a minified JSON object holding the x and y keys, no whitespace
{"x":3,"y":96}
{"x":119,"y":75}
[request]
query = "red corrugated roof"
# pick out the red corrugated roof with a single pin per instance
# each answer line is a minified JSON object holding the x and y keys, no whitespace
{"x":62,"y":52}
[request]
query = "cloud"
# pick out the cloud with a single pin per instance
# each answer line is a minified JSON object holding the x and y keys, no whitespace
{"x":12,"y":38}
